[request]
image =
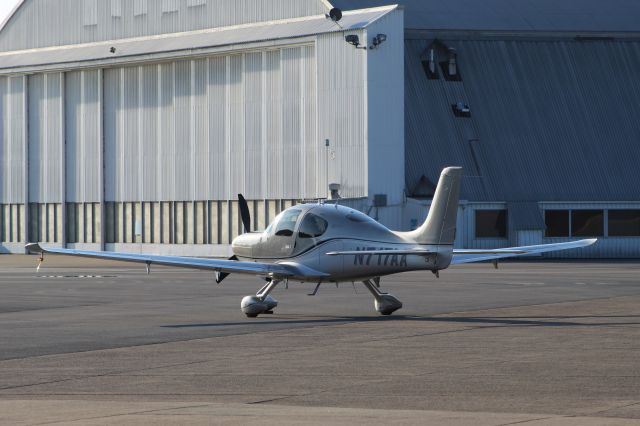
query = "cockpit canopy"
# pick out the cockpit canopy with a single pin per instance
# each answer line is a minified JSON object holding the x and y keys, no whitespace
{"x":284,"y":224}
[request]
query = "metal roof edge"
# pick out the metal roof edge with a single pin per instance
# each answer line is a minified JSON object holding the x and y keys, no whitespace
{"x":208,"y":31}
{"x":169,"y":55}
{"x":327,"y":4}
{"x":10,"y":15}
{"x":585,"y":36}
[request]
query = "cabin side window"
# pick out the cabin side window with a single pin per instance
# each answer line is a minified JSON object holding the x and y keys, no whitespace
{"x":312,"y":226}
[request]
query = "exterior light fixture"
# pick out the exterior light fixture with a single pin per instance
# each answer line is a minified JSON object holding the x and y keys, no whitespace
{"x":378,"y":40}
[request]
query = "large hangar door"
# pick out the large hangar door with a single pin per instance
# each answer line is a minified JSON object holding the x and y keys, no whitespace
{"x":210,"y":128}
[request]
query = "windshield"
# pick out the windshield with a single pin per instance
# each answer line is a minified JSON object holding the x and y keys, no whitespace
{"x":287,"y":223}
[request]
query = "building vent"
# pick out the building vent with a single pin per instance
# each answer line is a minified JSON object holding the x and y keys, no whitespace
{"x":430,"y":64}
{"x":460,"y":109}
{"x":450,"y":67}
{"x":441,"y":58}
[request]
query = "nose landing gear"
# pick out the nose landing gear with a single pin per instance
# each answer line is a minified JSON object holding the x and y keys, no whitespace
{"x":385,"y":303}
{"x":261,"y":303}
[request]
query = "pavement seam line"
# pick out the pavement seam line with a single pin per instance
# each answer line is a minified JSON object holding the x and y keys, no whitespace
{"x":135,"y":413}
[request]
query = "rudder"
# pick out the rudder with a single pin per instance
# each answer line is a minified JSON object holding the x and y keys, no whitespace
{"x":440,"y":225}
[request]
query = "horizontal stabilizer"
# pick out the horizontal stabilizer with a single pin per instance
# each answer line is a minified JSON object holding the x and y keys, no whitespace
{"x":470,"y":256}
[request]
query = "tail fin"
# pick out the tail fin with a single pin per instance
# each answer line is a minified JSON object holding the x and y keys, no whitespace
{"x":440,"y":225}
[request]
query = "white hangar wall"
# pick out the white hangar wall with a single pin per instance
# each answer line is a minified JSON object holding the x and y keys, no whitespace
{"x":42,"y":23}
{"x":149,"y":153}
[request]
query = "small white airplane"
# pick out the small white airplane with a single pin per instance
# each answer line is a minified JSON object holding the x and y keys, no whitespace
{"x":329,"y":243}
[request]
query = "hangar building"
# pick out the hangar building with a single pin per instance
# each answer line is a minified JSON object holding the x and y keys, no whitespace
{"x":133,"y":125}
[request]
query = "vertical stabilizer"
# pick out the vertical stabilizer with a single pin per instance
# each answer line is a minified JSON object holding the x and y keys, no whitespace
{"x":440,"y":225}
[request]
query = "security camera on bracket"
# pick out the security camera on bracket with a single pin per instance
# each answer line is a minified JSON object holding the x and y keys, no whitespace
{"x":354,"y":40}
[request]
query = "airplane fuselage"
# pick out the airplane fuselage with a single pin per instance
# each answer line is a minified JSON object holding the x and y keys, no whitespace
{"x":291,"y":240}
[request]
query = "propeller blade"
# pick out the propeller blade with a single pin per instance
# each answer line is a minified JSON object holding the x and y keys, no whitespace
{"x":244,"y":213}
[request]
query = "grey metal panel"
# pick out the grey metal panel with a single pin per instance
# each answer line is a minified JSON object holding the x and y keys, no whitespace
{"x":235,"y":125}
{"x":291,"y":123}
{"x":199,"y":131}
{"x":286,"y":29}
{"x":4,"y":144}
{"x":128,"y":143}
{"x":313,"y":147}
{"x":82,"y":128}
{"x":537,"y":15}
{"x":525,"y":216}
{"x":273,"y":88}
{"x":182,"y":141}
{"x":166,"y":139}
{"x":553,"y":119}
{"x":253,"y":122}
{"x":46,"y":138}
{"x":12,"y":139}
{"x":385,"y":111}
{"x":217,"y":129}
{"x":110,"y":111}
{"x":342,"y":113}
{"x":36,"y":22}
{"x":149,"y":123}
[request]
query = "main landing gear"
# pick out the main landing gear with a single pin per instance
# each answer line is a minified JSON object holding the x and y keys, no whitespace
{"x":261,"y":303}
{"x":385,"y":303}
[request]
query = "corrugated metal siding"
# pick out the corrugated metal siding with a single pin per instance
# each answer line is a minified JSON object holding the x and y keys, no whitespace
{"x":12,"y":139}
{"x":385,"y":110}
{"x":37,"y":23}
{"x":83,"y":93}
{"x":207,"y":129}
{"x":554,"y":119}
{"x":342,"y":114}
{"x":166,"y":46}
{"x":496,"y":15}
{"x":46,"y":137}
{"x":525,"y":216}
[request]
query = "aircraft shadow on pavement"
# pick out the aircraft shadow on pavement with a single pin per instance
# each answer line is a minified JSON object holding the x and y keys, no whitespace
{"x":536,"y":321}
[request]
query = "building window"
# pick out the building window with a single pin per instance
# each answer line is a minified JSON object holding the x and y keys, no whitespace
{"x":556,"y":223}
{"x":195,"y":3}
{"x":491,"y":223}
{"x":139,"y":7}
{"x":587,"y":223}
{"x":624,"y":223}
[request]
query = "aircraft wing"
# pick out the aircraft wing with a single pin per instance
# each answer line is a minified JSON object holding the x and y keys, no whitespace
{"x":229,"y":266}
{"x":469,"y":256}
